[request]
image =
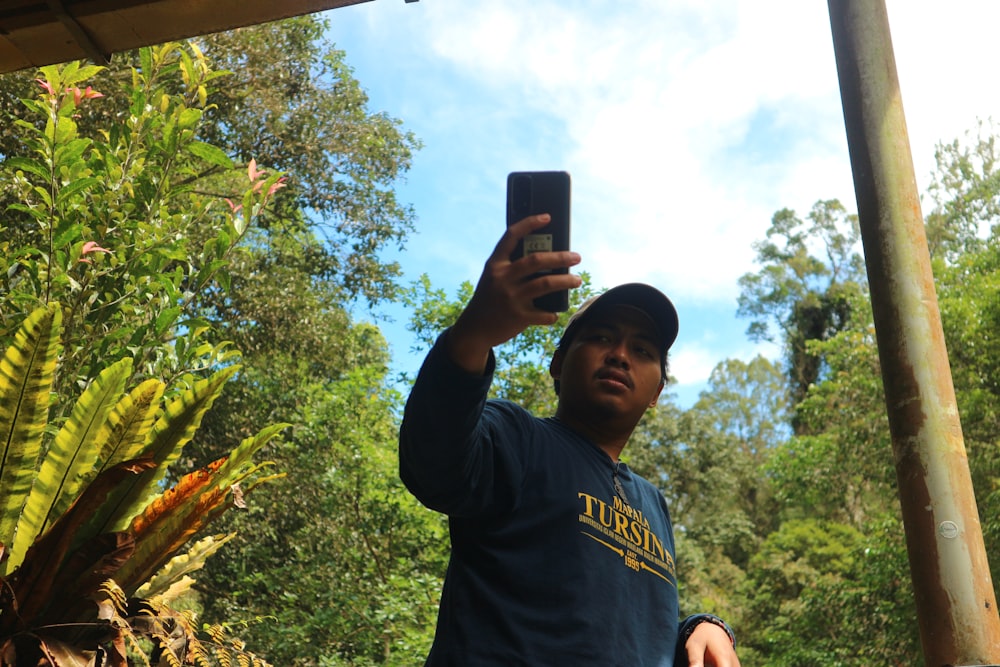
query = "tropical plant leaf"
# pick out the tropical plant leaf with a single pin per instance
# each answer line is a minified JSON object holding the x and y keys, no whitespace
{"x":127,"y":427}
{"x":230,"y":470}
{"x":173,"y":430}
{"x":122,"y":438}
{"x":170,"y":520}
{"x":32,"y":584}
{"x":85,"y":570}
{"x":211,"y":154}
{"x":182,"y":565}
{"x":69,"y":462}
{"x":25,"y":378}
{"x":176,"y":590}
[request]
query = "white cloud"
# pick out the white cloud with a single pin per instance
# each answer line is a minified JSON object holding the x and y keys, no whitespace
{"x":663,"y":104}
{"x":686,"y":124}
{"x":657,"y":102}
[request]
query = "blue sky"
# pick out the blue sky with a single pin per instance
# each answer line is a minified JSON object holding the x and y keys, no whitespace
{"x":685,"y":125}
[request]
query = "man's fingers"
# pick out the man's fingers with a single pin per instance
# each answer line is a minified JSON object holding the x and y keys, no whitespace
{"x":517,"y":231}
{"x":539,"y":262}
{"x":552,"y":282}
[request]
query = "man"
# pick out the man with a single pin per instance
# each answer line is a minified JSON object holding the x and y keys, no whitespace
{"x":561,"y":556}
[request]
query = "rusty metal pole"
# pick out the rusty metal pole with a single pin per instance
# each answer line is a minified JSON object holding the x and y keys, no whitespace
{"x":956,"y":605}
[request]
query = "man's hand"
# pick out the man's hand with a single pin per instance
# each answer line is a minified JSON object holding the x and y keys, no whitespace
{"x":502,"y":305}
{"x":710,"y":646}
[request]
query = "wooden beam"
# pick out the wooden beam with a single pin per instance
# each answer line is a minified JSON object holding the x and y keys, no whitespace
{"x":34,"y":33}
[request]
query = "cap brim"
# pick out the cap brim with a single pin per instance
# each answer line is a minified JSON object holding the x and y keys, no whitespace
{"x":646,"y":298}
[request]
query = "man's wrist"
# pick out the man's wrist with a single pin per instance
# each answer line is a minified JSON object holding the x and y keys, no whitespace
{"x":466,"y":352}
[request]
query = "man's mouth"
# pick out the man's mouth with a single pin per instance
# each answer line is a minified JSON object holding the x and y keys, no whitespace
{"x":616,"y":376}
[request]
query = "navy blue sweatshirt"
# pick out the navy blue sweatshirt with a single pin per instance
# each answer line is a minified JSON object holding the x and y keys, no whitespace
{"x":550,"y":565}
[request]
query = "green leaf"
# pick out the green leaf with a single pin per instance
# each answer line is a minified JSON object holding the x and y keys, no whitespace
{"x":174,"y":429}
{"x":65,"y":131}
{"x":50,"y":73}
{"x":188,"y":118}
{"x":146,"y":61}
{"x":166,"y":319}
{"x":81,"y":74}
{"x":66,"y":236}
{"x":74,"y":187}
{"x":69,"y":462}
{"x":211,"y":154}
{"x":44,"y":195}
{"x":123,"y":438}
{"x":25,"y":377}
{"x":31,"y":166}
{"x":182,"y":565}
{"x":240,"y":456}
{"x":70,"y":153}
{"x":129,"y":423}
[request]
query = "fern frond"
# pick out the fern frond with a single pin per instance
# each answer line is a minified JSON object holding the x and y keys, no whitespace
{"x":123,"y":438}
{"x":45,"y":560}
{"x":128,"y":425}
{"x":173,"y":430}
{"x":173,"y":517}
{"x":182,"y":565}
{"x":69,"y":462}
{"x":25,"y":379}
{"x":168,"y":523}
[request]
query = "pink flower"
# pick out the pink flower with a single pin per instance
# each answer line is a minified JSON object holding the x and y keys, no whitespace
{"x":235,"y":208}
{"x":46,"y":85}
{"x":89,"y":247}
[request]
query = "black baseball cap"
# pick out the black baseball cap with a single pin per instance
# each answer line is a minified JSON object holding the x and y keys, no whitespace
{"x":646,"y":298}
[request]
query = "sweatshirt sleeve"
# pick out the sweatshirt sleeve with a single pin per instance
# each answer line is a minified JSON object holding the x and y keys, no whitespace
{"x":454,"y":448}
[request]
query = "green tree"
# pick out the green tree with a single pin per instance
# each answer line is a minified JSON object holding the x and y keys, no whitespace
{"x":730,"y":433}
{"x":111,"y":228}
{"x":797,"y":296}
{"x":279,"y":289}
{"x":841,"y":468}
{"x":825,"y":593}
{"x":332,"y":565}
{"x":350,"y":569}
{"x":522,"y":364}
{"x":966,"y":194}
{"x":89,"y":513}
{"x":293,"y":103}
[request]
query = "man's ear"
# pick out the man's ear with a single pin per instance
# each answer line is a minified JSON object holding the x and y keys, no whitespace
{"x":555,"y":365}
{"x":659,"y":390}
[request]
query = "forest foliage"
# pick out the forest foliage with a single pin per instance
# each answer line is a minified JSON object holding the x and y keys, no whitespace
{"x":230,"y":201}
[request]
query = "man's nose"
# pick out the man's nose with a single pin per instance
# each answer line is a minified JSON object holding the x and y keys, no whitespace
{"x":618,"y":354}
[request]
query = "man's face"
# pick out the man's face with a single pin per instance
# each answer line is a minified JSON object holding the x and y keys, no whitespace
{"x":612,"y":366}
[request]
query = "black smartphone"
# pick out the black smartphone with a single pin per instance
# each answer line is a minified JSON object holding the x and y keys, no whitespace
{"x":531,"y":193}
